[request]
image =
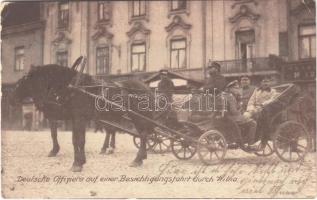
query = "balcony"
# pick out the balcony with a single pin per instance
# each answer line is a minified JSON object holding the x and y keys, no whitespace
{"x":252,"y":65}
{"x":300,"y":71}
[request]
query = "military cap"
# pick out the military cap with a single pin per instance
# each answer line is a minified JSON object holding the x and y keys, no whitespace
{"x":214,"y":65}
{"x":244,"y":77}
{"x":232,"y":84}
{"x":163,"y":71}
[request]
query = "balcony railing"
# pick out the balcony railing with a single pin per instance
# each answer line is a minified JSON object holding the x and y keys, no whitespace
{"x":300,"y":71}
{"x":247,"y":65}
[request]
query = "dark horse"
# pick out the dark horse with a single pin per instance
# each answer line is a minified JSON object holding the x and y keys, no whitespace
{"x":109,"y":139}
{"x":48,"y":86}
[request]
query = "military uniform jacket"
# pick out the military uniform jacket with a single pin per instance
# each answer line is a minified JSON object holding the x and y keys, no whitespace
{"x":166,"y":87}
{"x":246,"y":95}
{"x":234,"y":112}
{"x":215,"y":81}
{"x":260,"y":97}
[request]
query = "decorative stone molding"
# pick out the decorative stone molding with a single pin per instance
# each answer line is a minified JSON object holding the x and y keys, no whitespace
{"x":109,"y":22}
{"x":239,"y":2}
{"x":138,"y":34}
{"x":138,"y":27}
{"x":244,"y":12}
{"x":178,"y":29}
{"x":177,"y":12}
{"x":61,"y":38}
{"x":144,"y":17}
{"x":177,"y":22}
{"x":305,"y":6}
{"x":101,"y":32}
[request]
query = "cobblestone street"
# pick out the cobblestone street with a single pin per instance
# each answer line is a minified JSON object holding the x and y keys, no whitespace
{"x":28,"y":172}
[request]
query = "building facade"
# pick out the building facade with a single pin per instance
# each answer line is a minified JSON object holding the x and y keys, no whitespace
{"x":132,"y":39}
{"x":123,"y":37}
{"x":22,"y":48}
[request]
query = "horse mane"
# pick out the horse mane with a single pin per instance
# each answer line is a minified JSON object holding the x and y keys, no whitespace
{"x":58,"y":74}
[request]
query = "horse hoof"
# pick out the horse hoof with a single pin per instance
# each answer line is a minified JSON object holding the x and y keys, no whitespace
{"x":52,"y":154}
{"x":103,"y":151}
{"x":136,"y":164}
{"x":76,"y":168}
{"x":110,"y":151}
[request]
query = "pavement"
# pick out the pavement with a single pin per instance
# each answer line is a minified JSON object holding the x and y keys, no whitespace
{"x":27,"y":172}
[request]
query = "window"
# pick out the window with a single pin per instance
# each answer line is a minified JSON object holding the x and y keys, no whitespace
{"x":307,"y":41}
{"x":138,"y":8}
{"x":245,"y":45}
{"x":63,"y":16}
{"x":62,"y":58}
{"x":19,"y":59}
{"x":178,"y":5}
{"x":104,"y":11}
{"x":178,"y":53}
{"x":102,"y":60}
{"x":138,"y":54}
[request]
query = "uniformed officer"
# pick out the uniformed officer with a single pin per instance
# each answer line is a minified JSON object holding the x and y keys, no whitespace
{"x":235,"y":114}
{"x":260,"y":97}
{"x":247,"y":91}
{"x":166,"y":85}
{"x":216,"y":81}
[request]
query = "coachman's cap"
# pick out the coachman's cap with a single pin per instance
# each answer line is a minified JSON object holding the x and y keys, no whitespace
{"x":266,"y":79}
{"x":214,"y":65}
{"x":244,"y":77}
{"x":163,"y":71}
{"x":234,"y":83}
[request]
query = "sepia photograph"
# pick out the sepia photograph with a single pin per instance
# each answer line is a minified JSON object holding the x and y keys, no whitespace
{"x":158,"y":99}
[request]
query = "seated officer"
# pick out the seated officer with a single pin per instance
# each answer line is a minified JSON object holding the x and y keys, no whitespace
{"x":247,"y":91}
{"x":215,"y":80}
{"x":260,"y":97}
{"x":234,"y":113}
{"x":166,"y":85}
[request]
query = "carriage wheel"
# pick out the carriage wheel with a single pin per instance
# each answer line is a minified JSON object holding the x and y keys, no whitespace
{"x":183,"y":149}
{"x":149,"y":143}
{"x":212,"y":147}
{"x":291,"y":141}
{"x":161,"y":143}
{"x":267,"y":151}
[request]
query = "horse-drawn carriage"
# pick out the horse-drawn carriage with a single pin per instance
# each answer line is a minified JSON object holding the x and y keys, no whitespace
{"x":213,"y":134}
{"x":64,"y":93}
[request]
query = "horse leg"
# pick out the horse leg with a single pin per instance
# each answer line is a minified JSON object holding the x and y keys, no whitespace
{"x":112,"y":134}
{"x":113,"y":140}
{"x":142,"y":154}
{"x":79,"y":145}
{"x":53,"y":127}
{"x":82,"y":141}
{"x":105,"y":144}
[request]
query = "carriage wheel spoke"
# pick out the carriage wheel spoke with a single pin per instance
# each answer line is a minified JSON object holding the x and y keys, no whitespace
{"x":204,"y":155}
{"x":177,"y":144}
{"x":298,"y":154}
{"x":284,"y":142}
{"x":216,"y":154}
{"x":210,"y":157}
{"x":285,"y":138}
{"x":299,"y":145}
{"x":155,"y":145}
{"x":271,"y":149}
{"x":184,"y":152}
{"x":290,"y":154}
{"x":179,"y":150}
{"x":283,"y":152}
{"x":191,"y":151}
{"x":165,"y":144}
